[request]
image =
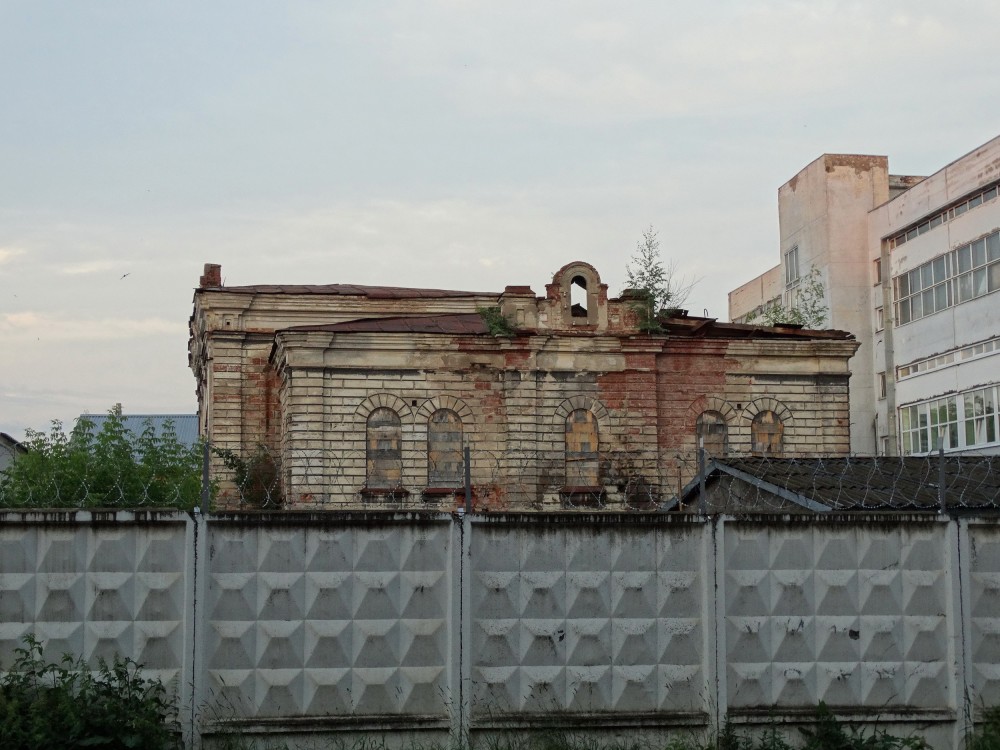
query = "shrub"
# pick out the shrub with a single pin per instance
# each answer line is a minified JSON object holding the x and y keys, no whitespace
{"x":46,"y":705}
{"x":109,"y":468}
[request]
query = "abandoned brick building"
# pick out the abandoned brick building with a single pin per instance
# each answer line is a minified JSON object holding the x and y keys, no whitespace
{"x":366,"y":395}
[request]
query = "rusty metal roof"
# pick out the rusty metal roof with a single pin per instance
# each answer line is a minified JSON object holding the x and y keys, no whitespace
{"x":872,"y":483}
{"x":456,"y":324}
{"x":349,"y":290}
{"x":690,"y":326}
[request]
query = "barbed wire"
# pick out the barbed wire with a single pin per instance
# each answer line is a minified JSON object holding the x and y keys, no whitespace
{"x":519,"y":480}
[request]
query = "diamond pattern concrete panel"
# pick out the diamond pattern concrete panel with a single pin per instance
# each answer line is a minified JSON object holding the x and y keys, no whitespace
{"x":852,"y":616}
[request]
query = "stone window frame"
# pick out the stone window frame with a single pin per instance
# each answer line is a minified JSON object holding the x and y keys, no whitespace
{"x":785,"y":419}
{"x":577,"y":495}
{"x":725,"y":410}
{"x":591,"y":286}
{"x":402,"y":409}
{"x":423,"y":415}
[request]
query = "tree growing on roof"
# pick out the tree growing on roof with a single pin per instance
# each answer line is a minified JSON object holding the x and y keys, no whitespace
{"x":809,"y":310}
{"x":662,"y":286}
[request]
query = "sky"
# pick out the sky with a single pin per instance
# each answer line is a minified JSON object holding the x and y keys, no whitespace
{"x":458,"y":144}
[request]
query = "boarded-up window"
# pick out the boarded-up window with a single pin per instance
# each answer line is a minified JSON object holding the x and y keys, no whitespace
{"x":385,"y":455}
{"x":711,"y":428}
{"x":581,"y":449}
{"x":444,"y":449}
{"x":766,"y":433}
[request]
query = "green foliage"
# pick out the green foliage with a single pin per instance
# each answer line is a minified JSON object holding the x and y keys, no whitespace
{"x":111,"y":468}
{"x":645,"y":272}
{"x":496,"y":322}
{"x":985,"y":736}
{"x":66,"y":705}
{"x":809,"y":312}
{"x":827,"y":733}
{"x":257,"y":476}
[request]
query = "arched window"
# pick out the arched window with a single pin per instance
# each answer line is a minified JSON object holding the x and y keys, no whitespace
{"x":766,"y":432}
{"x":444,"y":449}
{"x":384,"y":449}
{"x":578,"y":297}
{"x":712,"y":429}
{"x":581,"y":449}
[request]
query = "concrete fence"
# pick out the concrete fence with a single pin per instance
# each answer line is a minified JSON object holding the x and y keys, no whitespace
{"x":301,"y":625}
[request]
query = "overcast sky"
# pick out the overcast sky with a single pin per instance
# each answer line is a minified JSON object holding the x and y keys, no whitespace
{"x":457,"y":144}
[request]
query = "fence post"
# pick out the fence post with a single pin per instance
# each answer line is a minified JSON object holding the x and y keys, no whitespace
{"x":206,"y":494}
{"x":468,"y":482}
{"x":941,"y":480}
{"x":702,"y":501}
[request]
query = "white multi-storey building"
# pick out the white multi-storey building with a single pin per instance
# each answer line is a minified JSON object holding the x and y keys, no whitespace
{"x":911,"y":267}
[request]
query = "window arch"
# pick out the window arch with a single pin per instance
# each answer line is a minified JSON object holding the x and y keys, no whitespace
{"x":766,"y":434}
{"x":582,"y":442}
{"x":444,"y":449}
{"x":713,"y":433}
{"x":384,"y":444}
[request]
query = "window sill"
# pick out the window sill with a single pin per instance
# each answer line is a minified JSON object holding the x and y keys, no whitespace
{"x":583,"y":496}
{"x":432,"y":492}
{"x":384,"y":492}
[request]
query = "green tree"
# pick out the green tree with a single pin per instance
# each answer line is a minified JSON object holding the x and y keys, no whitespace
{"x":109,"y":468}
{"x":661,"y":287}
{"x":809,"y":311}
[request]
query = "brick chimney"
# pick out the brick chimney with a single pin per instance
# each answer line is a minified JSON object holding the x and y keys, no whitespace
{"x":212,"y":276}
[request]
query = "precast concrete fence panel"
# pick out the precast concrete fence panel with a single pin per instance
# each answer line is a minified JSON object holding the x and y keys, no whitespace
{"x":301,"y":626}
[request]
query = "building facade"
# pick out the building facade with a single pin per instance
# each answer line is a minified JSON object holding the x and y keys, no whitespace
{"x":911,"y":266}
{"x":369,"y":395}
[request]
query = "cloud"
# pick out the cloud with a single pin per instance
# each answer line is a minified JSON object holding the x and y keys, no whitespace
{"x":8,"y":254}
{"x":29,"y":325}
{"x":92,"y":266}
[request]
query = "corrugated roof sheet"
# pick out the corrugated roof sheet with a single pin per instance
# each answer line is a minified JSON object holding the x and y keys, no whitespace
{"x":880,"y":483}
{"x":459,"y":324}
{"x":711,"y":328}
{"x":350,"y":290}
{"x":185,"y":425}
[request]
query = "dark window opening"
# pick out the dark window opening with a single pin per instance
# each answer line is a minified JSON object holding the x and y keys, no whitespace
{"x":578,"y":297}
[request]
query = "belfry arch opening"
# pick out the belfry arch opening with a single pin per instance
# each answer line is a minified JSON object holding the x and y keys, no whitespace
{"x":578,"y":297}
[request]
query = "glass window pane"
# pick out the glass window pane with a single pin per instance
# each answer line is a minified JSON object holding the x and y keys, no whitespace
{"x":926,"y":275}
{"x":903,"y":312}
{"x":961,"y":208}
{"x":979,"y":285}
{"x":903,"y":286}
{"x":928,"y":300}
{"x":964,"y":255}
{"x":979,"y":253}
{"x":965,"y":287}
{"x":993,"y":246}
{"x":973,"y":202}
{"x":940,"y":270}
{"x":994,"y":271}
{"x":940,"y":296}
{"x":990,"y":194}
{"x":912,"y":233}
